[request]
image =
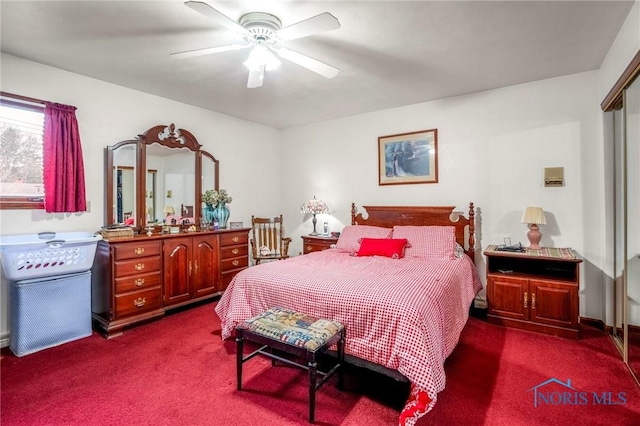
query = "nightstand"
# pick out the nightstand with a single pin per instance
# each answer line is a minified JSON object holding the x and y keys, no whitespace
{"x":316,"y":243}
{"x":536,"y":290}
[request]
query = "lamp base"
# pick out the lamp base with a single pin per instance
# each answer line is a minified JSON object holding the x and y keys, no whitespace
{"x":314,"y":233}
{"x":534,"y":236}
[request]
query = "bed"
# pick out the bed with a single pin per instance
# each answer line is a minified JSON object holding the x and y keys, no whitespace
{"x":401,"y":280}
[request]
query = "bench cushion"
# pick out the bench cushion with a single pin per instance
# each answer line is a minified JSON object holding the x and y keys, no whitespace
{"x":293,"y":328}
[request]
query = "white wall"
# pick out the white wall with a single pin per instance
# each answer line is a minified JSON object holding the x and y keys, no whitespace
{"x":493,"y":147}
{"x":109,"y":113}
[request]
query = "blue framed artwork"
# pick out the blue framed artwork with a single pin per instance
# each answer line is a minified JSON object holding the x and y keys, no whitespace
{"x":408,"y":158}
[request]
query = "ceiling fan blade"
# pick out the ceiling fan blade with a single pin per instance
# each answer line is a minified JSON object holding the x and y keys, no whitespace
{"x":316,"y":24}
{"x":208,"y":51}
{"x":216,"y":15}
{"x":256,"y":77}
{"x":314,"y":65}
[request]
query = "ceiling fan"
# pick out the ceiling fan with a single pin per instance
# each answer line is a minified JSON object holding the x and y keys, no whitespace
{"x":263,"y":33}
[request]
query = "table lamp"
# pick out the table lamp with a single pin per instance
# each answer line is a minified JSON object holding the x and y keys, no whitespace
{"x":314,"y":207}
{"x":169,"y":211}
{"x":534,"y":216}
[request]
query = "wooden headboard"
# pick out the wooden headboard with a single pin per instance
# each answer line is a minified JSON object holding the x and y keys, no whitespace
{"x":388,"y":216}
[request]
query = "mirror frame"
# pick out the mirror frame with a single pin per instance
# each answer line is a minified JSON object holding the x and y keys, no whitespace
{"x":168,"y":136}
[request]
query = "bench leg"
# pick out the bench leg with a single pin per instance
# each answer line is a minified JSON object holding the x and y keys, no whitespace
{"x":312,"y":390}
{"x":239,"y":355}
{"x":341,"y":360}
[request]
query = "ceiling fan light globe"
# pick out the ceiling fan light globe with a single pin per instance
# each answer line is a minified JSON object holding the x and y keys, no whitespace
{"x":261,"y":56}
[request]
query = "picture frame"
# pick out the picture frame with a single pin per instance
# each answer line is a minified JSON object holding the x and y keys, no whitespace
{"x":235,"y":225}
{"x":408,"y":158}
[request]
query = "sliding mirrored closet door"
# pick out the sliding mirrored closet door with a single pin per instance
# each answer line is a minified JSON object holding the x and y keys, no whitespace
{"x":632,"y":241}
{"x":625,"y":110}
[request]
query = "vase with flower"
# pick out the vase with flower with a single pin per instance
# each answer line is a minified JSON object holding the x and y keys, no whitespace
{"x":216,"y":207}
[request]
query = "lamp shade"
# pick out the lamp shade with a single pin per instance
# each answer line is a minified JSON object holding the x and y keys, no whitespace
{"x":169,"y":210}
{"x":314,"y":206}
{"x":534,"y":215}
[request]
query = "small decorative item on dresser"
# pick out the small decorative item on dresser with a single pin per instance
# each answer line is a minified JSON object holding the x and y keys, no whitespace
{"x":115,"y":231}
{"x":218,"y":200}
{"x":235,"y":225}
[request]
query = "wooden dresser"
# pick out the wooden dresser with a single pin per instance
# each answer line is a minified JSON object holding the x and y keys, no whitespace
{"x":316,"y":243}
{"x":138,"y":278}
{"x":536,"y":290}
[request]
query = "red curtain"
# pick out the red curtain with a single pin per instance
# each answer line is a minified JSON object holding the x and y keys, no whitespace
{"x":63,"y":166}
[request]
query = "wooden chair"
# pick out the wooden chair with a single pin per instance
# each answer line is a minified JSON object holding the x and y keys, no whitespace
{"x":268,"y":232}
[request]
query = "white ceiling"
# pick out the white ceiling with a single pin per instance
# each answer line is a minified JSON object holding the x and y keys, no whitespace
{"x":390,"y":53}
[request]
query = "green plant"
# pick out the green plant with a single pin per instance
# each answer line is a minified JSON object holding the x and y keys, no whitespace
{"x":213,"y":197}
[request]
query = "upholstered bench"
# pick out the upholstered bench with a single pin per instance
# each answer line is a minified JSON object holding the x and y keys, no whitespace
{"x":282,"y":331}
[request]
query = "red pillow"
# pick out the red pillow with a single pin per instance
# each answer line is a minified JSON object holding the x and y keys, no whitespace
{"x":389,"y":247}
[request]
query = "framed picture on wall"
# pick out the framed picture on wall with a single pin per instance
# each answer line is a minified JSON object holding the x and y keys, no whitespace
{"x":408,"y":158}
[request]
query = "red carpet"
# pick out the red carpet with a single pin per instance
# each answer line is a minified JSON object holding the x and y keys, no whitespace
{"x":176,"y":371}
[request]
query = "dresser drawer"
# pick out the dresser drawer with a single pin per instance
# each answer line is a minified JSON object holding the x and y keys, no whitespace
{"x":234,"y":238}
{"x":311,"y":247}
{"x":138,"y":282}
{"x":230,"y":264}
{"x":311,"y":244}
{"x":138,"y":302}
{"x":136,"y":250}
{"x":144,"y":265}
{"x":229,"y":252}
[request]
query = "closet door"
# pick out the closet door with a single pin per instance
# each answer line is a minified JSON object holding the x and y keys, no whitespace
{"x":632,"y":249}
{"x":620,"y":294}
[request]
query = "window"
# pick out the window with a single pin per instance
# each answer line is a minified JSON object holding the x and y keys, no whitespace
{"x":21,"y":152}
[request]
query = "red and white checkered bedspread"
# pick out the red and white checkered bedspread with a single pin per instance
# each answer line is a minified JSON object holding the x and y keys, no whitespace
{"x":405,"y":314}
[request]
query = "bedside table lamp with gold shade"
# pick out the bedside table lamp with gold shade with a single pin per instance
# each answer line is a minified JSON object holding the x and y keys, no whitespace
{"x":534,"y":216}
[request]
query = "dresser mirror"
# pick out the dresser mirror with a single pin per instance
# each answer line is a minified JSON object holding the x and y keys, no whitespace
{"x":159,"y":175}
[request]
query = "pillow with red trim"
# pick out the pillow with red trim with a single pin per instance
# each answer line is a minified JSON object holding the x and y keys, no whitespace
{"x":349,"y":240}
{"x":435,"y":242}
{"x":389,"y":247}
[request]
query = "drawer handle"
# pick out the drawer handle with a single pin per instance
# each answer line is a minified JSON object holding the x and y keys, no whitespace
{"x":190,"y":268}
{"x":309,"y":248}
{"x":140,"y":301}
{"x":139,"y":251}
{"x":235,"y":263}
{"x":139,"y":282}
{"x":526,"y":297}
{"x":235,"y":251}
{"x":533,"y":300}
{"x":236,"y":239}
{"x":139,"y":267}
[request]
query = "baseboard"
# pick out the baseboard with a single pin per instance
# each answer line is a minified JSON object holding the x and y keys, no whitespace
{"x":4,"y":340}
{"x":596,"y":323}
{"x":478,"y":312}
